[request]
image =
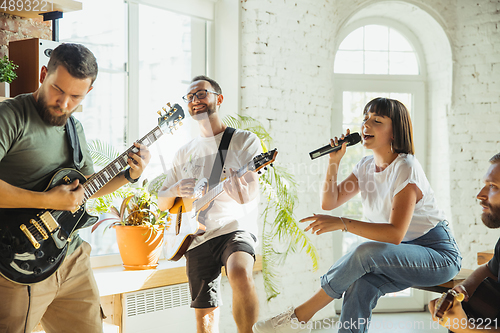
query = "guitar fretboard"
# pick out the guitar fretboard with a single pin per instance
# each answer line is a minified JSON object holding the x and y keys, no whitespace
{"x":217,"y":190}
{"x":101,"y":178}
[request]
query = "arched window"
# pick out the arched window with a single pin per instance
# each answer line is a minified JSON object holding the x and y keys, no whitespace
{"x":376,"y":49}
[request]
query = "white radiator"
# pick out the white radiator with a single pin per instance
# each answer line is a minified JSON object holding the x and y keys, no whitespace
{"x":159,"y":310}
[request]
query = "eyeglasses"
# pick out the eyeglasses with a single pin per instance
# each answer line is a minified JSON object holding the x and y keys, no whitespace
{"x":200,"y":94}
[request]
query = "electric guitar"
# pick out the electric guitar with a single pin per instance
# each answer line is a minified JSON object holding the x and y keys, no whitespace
{"x":484,"y":304}
{"x":34,"y":242}
{"x":185,"y":219}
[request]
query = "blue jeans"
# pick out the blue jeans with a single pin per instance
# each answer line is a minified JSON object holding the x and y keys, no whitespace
{"x":374,"y":269}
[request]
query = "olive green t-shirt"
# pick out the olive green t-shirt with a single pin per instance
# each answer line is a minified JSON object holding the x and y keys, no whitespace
{"x":31,"y":150}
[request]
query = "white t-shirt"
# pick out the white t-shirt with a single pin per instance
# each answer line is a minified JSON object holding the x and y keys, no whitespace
{"x":379,"y":188}
{"x":196,"y":160}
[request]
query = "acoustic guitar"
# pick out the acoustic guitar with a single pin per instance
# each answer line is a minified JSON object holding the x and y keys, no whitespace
{"x":185,"y":219}
{"x":34,"y":242}
{"x":483,"y":306}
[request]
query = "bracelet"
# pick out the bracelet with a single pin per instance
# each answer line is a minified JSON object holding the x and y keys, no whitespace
{"x":345,"y":227}
{"x":127,"y":176}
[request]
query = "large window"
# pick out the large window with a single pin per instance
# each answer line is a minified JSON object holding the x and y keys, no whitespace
{"x":376,"y":49}
{"x":376,"y":60}
{"x":147,"y":55}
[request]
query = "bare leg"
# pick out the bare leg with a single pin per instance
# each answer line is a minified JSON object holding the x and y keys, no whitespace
{"x":306,"y":310}
{"x":239,"y":269}
{"x":207,"y":320}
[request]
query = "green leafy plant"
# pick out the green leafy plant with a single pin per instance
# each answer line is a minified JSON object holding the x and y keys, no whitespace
{"x":279,"y":223}
{"x":7,"y":70}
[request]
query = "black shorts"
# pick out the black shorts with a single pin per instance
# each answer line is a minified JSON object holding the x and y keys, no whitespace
{"x":204,"y":263}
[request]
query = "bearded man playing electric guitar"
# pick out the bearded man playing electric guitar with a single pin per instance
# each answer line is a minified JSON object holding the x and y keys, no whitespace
{"x":230,"y":221}
{"x":456,"y":319}
{"x":38,"y":137}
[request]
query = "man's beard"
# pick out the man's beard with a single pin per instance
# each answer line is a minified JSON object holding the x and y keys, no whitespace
{"x":210,"y":110}
{"x":51,"y":119}
{"x":491,"y":219}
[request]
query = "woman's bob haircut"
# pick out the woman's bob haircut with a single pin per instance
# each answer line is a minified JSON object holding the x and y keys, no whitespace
{"x":402,"y":130}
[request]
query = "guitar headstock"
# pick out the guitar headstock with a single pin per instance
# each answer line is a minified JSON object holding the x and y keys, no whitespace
{"x":263,"y":160}
{"x":171,"y":119}
{"x":445,"y":302}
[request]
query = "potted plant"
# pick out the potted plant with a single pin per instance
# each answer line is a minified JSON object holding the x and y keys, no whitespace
{"x":138,"y":223}
{"x":7,"y":75}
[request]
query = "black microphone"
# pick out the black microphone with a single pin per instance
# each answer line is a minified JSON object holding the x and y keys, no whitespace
{"x":351,"y":140}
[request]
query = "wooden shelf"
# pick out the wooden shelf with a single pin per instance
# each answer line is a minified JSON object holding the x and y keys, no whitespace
{"x":64,"y":6}
{"x":484,"y":257}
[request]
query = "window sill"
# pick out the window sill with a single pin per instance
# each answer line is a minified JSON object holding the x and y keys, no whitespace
{"x":113,"y":280}
{"x":117,"y":280}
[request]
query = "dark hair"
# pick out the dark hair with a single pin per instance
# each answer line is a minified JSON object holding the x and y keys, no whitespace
{"x":78,"y":60}
{"x":495,"y":158}
{"x":402,"y":130}
{"x":212,"y":82}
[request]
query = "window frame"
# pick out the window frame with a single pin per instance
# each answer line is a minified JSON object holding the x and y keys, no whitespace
{"x":407,"y":33}
{"x":199,"y":9}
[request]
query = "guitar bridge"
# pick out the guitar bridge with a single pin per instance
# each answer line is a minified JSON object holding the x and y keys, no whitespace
{"x":49,"y":221}
{"x":30,"y":236}
{"x":40,"y":229}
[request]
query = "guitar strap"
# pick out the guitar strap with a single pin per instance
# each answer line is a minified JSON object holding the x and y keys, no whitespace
{"x":74,"y":143}
{"x":221,"y":156}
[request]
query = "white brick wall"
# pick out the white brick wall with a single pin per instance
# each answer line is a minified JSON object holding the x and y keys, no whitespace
{"x":286,"y":82}
{"x":473,"y":119}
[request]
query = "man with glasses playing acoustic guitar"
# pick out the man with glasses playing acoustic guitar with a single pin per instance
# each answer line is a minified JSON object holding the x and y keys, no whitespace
{"x":38,"y":137}
{"x":230,"y":222}
{"x":480,"y":309}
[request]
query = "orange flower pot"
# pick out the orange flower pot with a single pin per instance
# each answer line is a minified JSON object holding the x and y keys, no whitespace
{"x":140,"y":246}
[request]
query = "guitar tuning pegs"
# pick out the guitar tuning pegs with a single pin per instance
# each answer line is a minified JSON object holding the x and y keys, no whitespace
{"x":163,"y":108}
{"x":169,"y":106}
{"x":159,"y":112}
{"x":180,"y":123}
{"x":170,"y":113}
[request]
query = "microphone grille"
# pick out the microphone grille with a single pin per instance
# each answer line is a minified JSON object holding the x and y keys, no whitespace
{"x":353,"y":138}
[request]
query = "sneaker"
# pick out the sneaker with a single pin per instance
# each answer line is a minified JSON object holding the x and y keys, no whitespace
{"x":282,"y":323}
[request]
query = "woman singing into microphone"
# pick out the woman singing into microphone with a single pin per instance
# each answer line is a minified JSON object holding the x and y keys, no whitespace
{"x":411,"y":242}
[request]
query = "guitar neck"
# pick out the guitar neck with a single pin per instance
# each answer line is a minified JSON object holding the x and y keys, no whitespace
{"x":101,"y":178}
{"x":218,"y":190}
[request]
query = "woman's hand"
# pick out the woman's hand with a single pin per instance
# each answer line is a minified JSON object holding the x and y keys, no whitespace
{"x":337,"y":155}
{"x":323,"y":223}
